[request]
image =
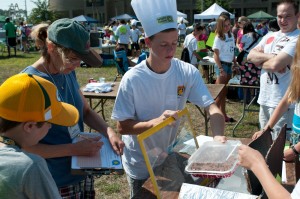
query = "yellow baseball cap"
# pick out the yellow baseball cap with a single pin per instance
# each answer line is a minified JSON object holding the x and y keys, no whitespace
{"x":26,"y":97}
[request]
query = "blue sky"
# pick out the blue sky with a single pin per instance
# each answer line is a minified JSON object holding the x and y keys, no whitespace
{"x":5,"y":4}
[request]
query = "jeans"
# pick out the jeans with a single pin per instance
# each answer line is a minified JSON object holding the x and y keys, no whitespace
{"x":227,"y":69}
{"x":135,"y":185}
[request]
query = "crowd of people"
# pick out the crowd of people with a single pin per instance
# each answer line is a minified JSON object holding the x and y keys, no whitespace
{"x":36,"y":132}
{"x":274,"y":49}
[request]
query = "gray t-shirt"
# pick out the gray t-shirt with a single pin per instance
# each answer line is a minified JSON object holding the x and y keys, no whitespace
{"x":25,"y":175}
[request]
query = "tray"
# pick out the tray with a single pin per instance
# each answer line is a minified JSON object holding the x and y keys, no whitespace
{"x":214,"y":159}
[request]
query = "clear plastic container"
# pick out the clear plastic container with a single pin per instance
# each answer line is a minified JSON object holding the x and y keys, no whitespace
{"x":214,"y":159}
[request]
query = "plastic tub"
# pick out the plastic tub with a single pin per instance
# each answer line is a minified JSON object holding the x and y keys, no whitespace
{"x":214,"y":159}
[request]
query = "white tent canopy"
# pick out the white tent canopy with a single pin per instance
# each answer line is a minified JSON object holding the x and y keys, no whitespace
{"x":180,"y":14}
{"x":212,"y":12}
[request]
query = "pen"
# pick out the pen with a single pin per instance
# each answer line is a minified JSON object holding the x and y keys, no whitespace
{"x":85,"y":138}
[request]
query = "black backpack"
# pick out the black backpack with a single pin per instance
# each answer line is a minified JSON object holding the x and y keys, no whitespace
{"x":185,"y":56}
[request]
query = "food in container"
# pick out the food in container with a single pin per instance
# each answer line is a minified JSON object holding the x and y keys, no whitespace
{"x":214,"y":159}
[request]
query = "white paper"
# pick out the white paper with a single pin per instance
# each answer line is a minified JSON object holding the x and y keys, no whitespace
{"x":207,"y":61}
{"x":190,"y":146}
{"x":105,"y":159}
{"x":199,"y":192}
{"x":98,"y":87}
{"x":235,"y":80}
{"x":283,"y":175}
{"x":201,"y":139}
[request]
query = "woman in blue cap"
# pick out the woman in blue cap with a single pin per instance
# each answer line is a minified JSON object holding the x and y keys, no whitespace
{"x":63,"y":45}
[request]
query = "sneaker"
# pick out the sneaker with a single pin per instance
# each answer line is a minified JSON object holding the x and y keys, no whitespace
{"x":229,"y":119}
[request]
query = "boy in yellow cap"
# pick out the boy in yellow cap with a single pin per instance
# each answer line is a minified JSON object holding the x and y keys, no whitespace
{"x":28,"y":106}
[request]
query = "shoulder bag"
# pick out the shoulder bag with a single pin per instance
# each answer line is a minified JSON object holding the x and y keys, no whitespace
{"x":242,"y":54}
{"x":185,"y":55}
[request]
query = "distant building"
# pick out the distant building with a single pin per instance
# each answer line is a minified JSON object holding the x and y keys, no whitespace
{"x":247,"y":7}
{"x":104,"y":10}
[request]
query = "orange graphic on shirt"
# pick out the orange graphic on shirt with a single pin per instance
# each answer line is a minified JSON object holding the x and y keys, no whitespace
{"x":180,"y":90}
{"x":270,"y":40}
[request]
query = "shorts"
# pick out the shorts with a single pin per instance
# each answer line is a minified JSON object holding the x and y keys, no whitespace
{"x":135,"y":46}
{"x":181,"y":37}
{"x":12,"y":41}
{"x":226,"y":68}
{"x":82,"y":190}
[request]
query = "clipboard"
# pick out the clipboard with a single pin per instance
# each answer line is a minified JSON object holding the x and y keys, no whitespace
{"x":105,"y":162}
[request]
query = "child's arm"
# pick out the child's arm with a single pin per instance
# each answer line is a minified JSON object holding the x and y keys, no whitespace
{"x":290,"y":154}
{"x":277,"y":114}
{"x":253,"y":160}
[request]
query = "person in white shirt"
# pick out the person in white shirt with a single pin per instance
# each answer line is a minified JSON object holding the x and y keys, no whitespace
{"x":156,"y":89}
{"x":135,"y":35}
{"x":223,"y":48}
{"x":123,"y":34}
{"x":212,"y":26}
{"x":275,"y":54}
{"x":191,"y":43}
{"x":114,"y":26}
{"x":250,"y":38}
{"x":181,"y":32}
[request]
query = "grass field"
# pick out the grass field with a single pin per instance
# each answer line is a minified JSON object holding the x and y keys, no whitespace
{"x":115,"y":187}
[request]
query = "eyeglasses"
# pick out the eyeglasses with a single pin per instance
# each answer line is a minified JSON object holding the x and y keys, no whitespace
{"x":70,"y":60}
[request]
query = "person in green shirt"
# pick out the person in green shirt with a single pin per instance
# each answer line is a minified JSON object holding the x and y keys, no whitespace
{"x":11,"y":36}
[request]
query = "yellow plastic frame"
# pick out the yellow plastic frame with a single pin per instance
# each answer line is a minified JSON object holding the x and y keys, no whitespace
{"x":141,"y":137}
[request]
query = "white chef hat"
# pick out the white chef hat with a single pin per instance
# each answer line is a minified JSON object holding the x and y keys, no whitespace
{"x":155,"y":15}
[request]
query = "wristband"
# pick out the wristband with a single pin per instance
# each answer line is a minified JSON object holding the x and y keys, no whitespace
{"x":294,"y":150}
{"x":272,"y":130}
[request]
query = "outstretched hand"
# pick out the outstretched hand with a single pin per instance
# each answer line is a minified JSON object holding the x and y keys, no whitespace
{"x":257,"y":134}
{"x":249,"y":157}
{"x":220,"y":138}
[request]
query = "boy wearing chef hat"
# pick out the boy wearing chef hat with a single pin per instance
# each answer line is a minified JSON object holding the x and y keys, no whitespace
{"x":156,"y":89}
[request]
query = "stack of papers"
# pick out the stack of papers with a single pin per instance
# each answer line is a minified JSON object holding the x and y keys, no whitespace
{"x":235,"y":80}
{"x":106,"y":158}
{"x":200,"y":192}
{"x":98,"y":87}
